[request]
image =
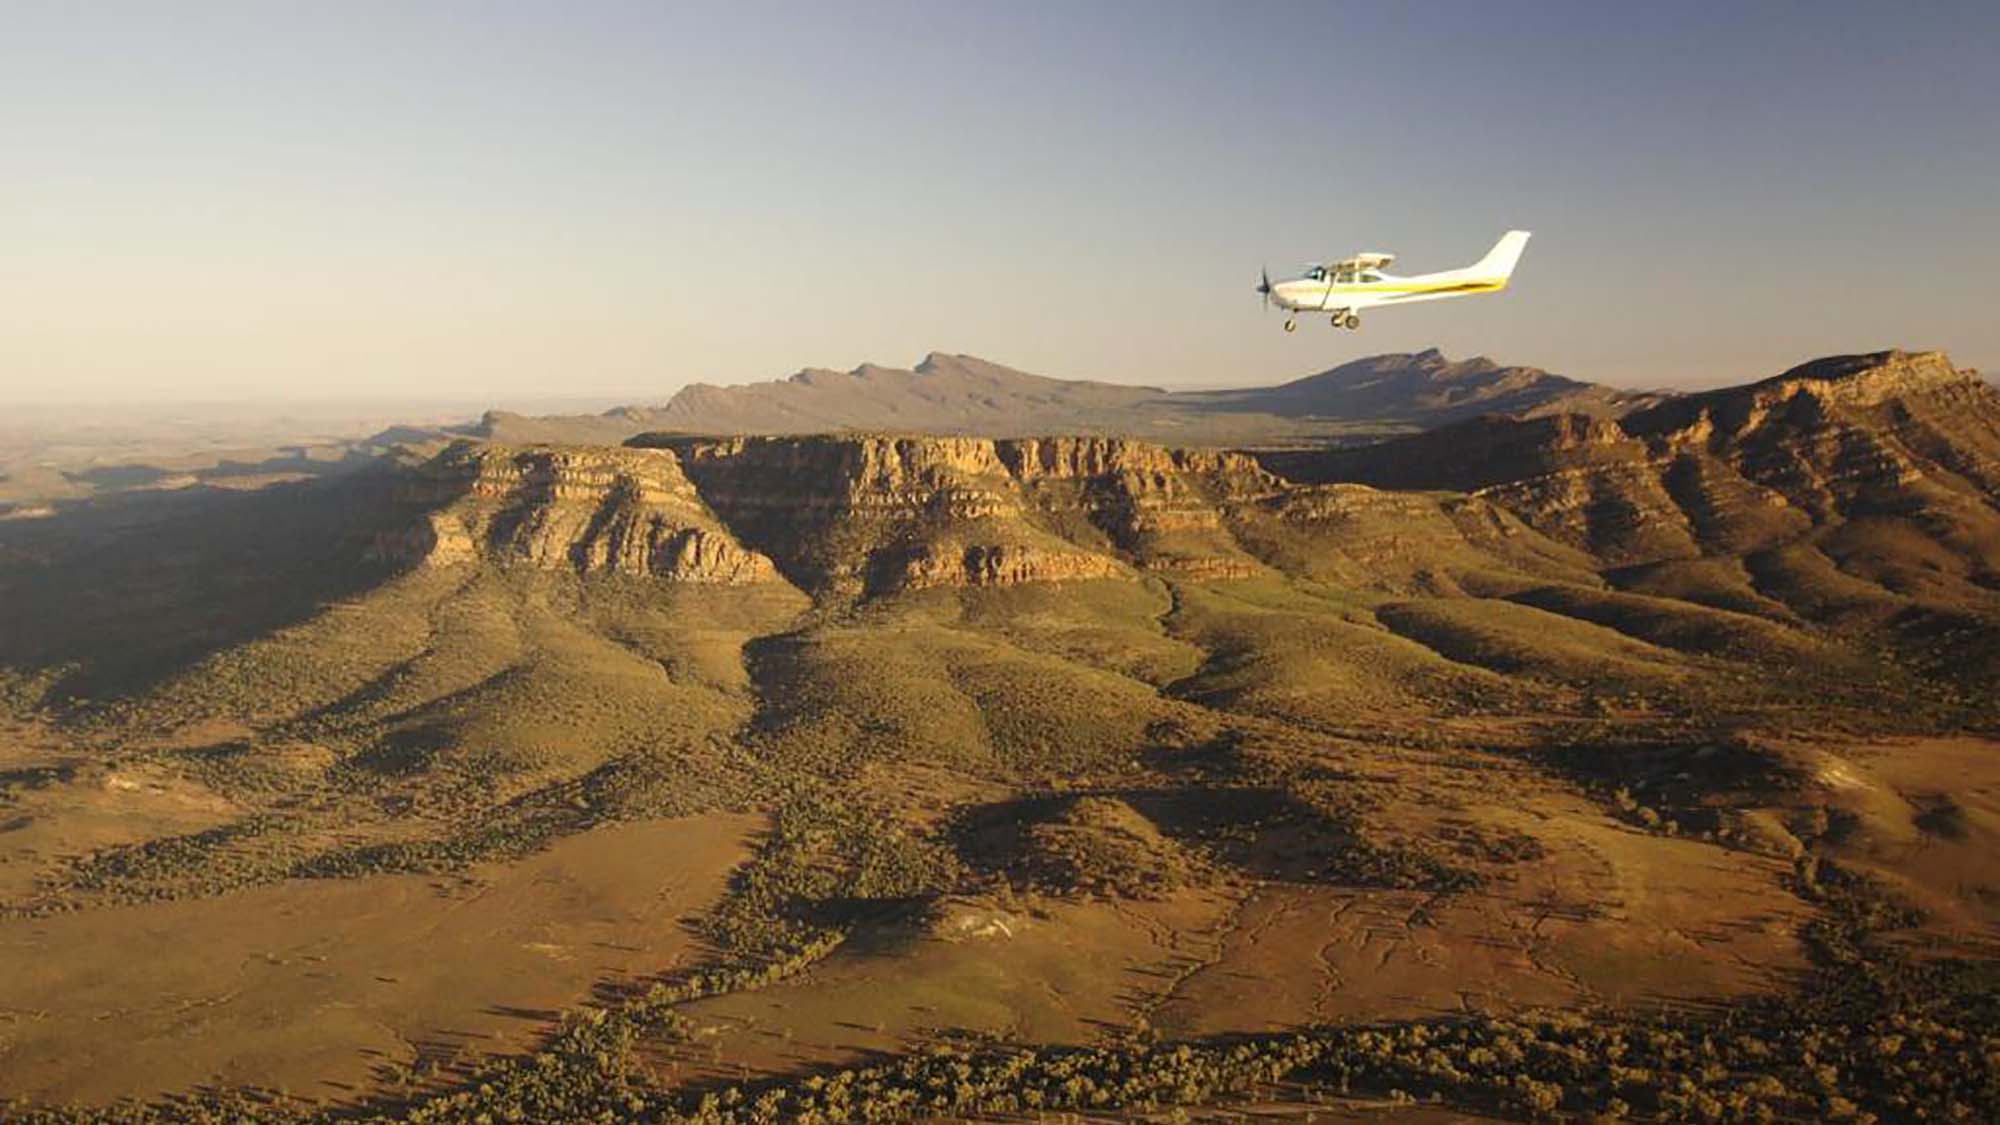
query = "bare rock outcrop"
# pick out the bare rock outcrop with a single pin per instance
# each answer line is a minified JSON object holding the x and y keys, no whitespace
{"x":870,"y":512}
{"x":590,"y":509}
{"x":1888,"y":435}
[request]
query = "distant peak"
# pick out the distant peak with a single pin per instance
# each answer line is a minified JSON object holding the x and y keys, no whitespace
{"x":947,"y":361}
{"x":1837,"y":367}
{"x":1863,"y":379}
{"x":815,"y":376}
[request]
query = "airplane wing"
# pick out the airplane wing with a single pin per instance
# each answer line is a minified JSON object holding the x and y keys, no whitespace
{"x":1366,"y":260}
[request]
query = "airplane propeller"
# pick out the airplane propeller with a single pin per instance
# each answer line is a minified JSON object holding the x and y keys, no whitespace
{"x":1264,"y":286}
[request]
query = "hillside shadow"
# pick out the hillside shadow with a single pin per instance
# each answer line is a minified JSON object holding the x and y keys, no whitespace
{"x":1262,"y":832}
{"x":290,"y":461}
{"x":294,"y":462}
{"x":118,"y":476}
{"x":112,"y":594}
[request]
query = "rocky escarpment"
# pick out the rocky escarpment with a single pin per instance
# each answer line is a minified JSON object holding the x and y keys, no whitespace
{"x":1890,"y":435}
{"x":856,"y":516}
{"x":872,"y":513}
{"x":879,"y":512}
{"x":1847,"y":435}
{"x":1888,"y":455}
{"x":582,"y":508}
{"x":1164,"y":508}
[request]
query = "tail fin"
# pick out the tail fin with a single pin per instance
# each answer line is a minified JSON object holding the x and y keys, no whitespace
{"x":1499,"y":261}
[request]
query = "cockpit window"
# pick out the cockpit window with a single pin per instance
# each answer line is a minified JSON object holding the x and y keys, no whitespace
{"x":1316,"y":273}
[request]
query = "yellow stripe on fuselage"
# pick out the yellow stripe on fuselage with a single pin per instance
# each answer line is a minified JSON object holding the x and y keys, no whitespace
{"x":1480,"y":286}
{"x":1328,"y":294}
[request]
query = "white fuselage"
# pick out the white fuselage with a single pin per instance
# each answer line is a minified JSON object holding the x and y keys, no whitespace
{"x":1344,"y":288}
{"x":1354,"y":290}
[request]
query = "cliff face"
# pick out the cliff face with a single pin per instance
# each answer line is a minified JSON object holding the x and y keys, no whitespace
{"x":874,"y":513}
{"x":1890,"y":435}
{"x":865,"y":515}
{"x":1841,"y":453}
{"x":1165,"y":508}
{"x":1848,"y":435}
{"x":587,"y":509}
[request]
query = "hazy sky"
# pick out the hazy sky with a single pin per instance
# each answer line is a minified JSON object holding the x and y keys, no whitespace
{"x":216,"y":200}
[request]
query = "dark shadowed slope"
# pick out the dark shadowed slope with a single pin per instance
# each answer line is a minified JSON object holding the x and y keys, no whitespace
{"x":1425,"y":389}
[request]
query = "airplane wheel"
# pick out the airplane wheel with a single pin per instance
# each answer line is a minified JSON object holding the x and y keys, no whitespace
{"x":1336,"y":320}
{"x":1291,"y":326}
{"x":1351,"y":322}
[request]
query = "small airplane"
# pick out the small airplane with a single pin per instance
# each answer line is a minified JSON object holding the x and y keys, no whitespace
{"x":1342,"y":289}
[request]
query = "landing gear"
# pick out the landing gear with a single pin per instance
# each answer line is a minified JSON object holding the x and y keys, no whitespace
{"x":1350,"y":321}
{"x":1291,"y":324}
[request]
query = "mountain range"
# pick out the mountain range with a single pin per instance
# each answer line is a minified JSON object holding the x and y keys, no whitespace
{"x":1596,"y":754}
{"x":948,"y":394}
{"x":959,"y":394}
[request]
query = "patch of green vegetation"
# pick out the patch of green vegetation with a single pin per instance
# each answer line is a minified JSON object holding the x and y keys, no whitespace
{"x":243,"y":771}
{"x":1360,"y":857}
{"x":1486,"y":845}
{"x":900,"y":686}
{"x":1902,"y":1067}
{"x":827,"y":863}
{"x":1694,"y":629}
{"x":198,"y":863}
{"x":1143,"y":843}
{"x":634,"y":787}
{"x":1327,"y":666}
{"x":25,"y":692}
{"x":1100,"y":845}
{"x":1109,"y":625}
{"x":1759,"y":1066}
{"x":1519,"y":640}
{"x":1858,"y":972}
{"x":1677,"y":785}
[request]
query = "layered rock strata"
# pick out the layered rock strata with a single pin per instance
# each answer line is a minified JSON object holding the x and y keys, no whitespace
{"x":589,"y":509}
